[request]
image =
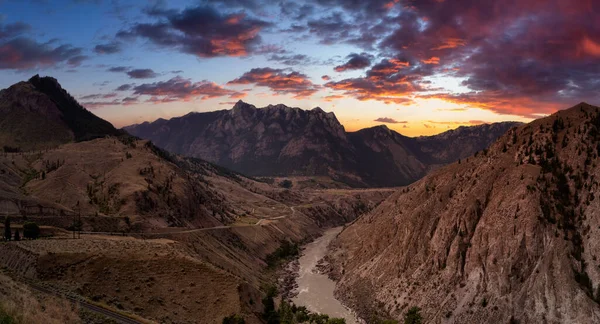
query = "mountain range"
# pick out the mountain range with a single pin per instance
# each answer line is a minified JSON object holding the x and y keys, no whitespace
{"x":282,"y":141}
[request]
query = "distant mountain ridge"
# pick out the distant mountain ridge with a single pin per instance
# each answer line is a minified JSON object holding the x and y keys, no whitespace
{"x":278,"y":140}
{"x":39,"y":113}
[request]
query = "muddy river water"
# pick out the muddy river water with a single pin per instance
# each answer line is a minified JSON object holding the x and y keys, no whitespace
{"x":315,"y":290}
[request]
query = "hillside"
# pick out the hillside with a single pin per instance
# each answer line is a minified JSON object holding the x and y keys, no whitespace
{"x":507,"y":235}
{"x":281,"y":141}
{"x":39,"y":114}
{"x":153,"y":223}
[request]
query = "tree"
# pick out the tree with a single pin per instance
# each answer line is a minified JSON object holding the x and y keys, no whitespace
{"x":7,"y":231}
{"x":17,"y":236}
{"x":413,"y":316}
{"x":287,"y":184}
{"x":31,"y":230}
{"x":234,"y":319}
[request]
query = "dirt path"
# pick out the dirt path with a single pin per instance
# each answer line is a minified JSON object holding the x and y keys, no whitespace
{"x":260,"y":222}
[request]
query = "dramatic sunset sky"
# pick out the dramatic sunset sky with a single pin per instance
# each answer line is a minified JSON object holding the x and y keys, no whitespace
{"x":419,"y":66}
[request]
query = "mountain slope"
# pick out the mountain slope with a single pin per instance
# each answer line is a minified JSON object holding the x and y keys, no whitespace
{"x":39,"y":114}
{"x":283,"y":141}
{"x":507,"y":235}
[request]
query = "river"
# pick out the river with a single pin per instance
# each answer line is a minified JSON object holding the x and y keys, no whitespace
{"x":315,"y":290}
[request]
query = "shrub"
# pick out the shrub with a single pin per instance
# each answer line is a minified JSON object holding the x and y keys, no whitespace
{"x":234,"y":319}
{"x":413,"y":316}
{"x":286,"y":184}
{"x":31,"y":230}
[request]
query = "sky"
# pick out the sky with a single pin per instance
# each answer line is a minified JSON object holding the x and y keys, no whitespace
{"x":419,"y":67}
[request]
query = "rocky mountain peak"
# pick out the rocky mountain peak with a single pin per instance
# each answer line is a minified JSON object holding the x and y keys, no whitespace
{"x":242,"y":108}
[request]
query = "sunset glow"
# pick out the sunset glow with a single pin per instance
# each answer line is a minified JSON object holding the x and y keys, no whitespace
{"x":420,"y":67}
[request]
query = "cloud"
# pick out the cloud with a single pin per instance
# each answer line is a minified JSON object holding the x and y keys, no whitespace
{"x":331,"y":98}
{"x":521,"y":58}
{"x":142,"y":74}
{"x":202,"y":31}
{"x":13,"y":30}
{"x":124,"y":87}
{"x":294,"y":59}
{"x":180,"y":89}
{"x":280,"y":81}
{"x":99,"y":96}
{"x":118,"y":69}
{"x":108,"y":48}
{"x":389,"y":120}
{"x":325,"y":78}
{"x":355,"y":62}
{"x":24,"y":53}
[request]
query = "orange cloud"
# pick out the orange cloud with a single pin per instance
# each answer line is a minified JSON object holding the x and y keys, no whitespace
{"x":279,"y":81}
{"x":450,"y":43}
{"x":590,"y":47}
{"x":432,"y":60}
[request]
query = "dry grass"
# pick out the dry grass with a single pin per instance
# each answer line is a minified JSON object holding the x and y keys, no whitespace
{"x":19,"y":305}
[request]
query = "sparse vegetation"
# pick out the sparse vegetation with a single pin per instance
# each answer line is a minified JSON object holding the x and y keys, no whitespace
{"x":285,"y":251}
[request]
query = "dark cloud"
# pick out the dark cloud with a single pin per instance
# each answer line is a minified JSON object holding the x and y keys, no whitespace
{"x":389,"y":120}
{"x":25,"y":53}
{"x":391,"y":81}
{"x":124,"y":87}
{"x":98,"y":96}
{"x":202,"y":31}
{"x":119,"y":69}
{"x":108,"y":48}
{"x":294,"y":59}
{"x":76,"y":60}
{"x":279,"y":81}
{"x":295,"y":10}
{"x":142,"y":74}
{"x":180,"y":89}
{"x":355,"y":62}
{"x":13,"y":30}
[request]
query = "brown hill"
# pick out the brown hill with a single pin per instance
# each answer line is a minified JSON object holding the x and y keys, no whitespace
{"x":281,"y":141}
{"x":507,"y":235}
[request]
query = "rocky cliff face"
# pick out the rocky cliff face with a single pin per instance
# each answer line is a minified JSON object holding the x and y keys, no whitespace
{"x":283,"y":141}
{"x":507,"y":235}
{"x":39,"y":113}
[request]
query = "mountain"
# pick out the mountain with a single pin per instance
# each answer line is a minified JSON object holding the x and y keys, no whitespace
{"x":281,"y":141}
{"x":159,"y":222}
{"x":507,"y":235}
{"x":39,"y":113}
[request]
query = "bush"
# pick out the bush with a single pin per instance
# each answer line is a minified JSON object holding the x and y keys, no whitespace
{"x":31,"y":230}
{"x":287,"y":184}
{"x":413,"y":316}
{"x":234,"y":319}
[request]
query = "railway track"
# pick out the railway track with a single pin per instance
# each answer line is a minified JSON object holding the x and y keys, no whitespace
{"x":118,"y":317}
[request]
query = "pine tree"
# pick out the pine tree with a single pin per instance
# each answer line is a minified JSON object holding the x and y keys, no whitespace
{"x":7,"y":231}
